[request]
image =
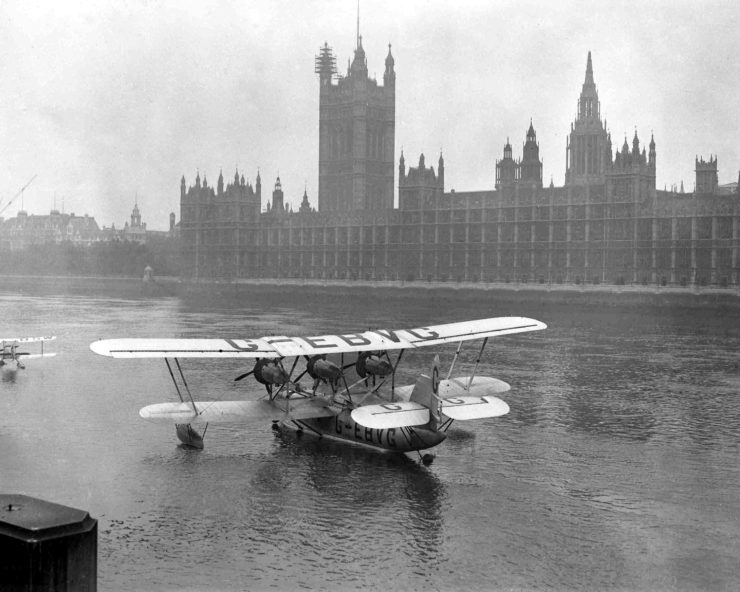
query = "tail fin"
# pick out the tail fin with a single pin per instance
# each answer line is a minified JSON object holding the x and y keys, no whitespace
{"x":426,"y":393}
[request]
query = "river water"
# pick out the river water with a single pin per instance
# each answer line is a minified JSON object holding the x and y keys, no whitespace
{"x":616,"y":469}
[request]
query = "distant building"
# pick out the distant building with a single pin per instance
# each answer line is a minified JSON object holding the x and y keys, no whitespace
{"x":607,"y":224}
{"x":25,"y":230}
{"x":30,"y":229}
{"x":136,"y":231}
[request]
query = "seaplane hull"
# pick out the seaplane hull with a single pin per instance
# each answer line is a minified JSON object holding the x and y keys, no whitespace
{"x":343,"y":427}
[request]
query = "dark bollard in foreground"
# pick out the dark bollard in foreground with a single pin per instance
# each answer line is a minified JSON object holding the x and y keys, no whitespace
{"x":46,"y":546}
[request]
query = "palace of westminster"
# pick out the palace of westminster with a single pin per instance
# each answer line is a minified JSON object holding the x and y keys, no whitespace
{"x":607,"y":224}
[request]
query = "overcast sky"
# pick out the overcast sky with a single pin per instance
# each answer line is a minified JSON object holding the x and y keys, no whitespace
{"x":109,"y":103}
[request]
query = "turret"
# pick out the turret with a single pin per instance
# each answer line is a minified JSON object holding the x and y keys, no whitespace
{"x":326,"y":65}
{"x":220,"y":184}
{"x":441,"y":171}
{"x":389,"y":76}
{"x":135,"y":216}
{"x":277,"y":196}
{"x":305,"y":207}
{"x":530,"y":168}
{"x":506,"y":168}
{"x":359,"y":64}
{"x":706,"y":176}
{"x":420,"y":186}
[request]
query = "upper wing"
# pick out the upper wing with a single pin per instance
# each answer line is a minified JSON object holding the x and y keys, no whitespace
{"x":281,"y":346}
{"x":184,"y":348}
{"x":10,"y":340}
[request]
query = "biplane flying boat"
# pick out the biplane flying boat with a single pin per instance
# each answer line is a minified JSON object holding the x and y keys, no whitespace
{"x":353,"y":396}
{"x":11,"y":350}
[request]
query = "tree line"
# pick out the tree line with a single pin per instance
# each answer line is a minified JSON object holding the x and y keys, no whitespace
{"x":115,"y":258}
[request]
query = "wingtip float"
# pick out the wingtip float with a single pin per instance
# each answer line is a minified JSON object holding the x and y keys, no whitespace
{"x":353,"y":398}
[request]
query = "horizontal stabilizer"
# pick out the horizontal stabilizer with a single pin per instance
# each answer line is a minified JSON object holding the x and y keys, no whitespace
{"x":481,"y":386}
{"x":236,"y":411}
{"x":474,"y":407}
{"x":456,"y":387}
{"x":391,"y":415}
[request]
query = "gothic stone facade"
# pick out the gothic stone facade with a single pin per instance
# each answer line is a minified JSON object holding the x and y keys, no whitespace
{"x":356,"y":134}
{"x":607,"y":224}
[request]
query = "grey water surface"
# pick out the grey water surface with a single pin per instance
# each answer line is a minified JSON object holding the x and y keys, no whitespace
{"x":618,"y":467}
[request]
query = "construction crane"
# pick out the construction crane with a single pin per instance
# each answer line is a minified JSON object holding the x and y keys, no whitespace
{"x":12,"y":199}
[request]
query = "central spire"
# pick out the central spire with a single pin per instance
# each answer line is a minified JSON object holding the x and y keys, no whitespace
{"x":357,"y":38}
{"x":589,"y":71}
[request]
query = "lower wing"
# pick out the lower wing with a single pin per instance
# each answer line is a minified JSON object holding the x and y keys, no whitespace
{"x":235,"y":411}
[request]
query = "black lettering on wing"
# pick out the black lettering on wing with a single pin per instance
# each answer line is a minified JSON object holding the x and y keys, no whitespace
{"x":244,"y":345}
{"x":354,"y":339}
{"x":320,"y":341}
{"x":423,"y":334}
{"x":389,"y":335}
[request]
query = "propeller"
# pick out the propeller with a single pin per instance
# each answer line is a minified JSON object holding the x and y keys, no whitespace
{"x":242,"y":376}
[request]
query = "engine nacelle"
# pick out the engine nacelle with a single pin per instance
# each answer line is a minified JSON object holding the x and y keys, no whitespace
{"x":321,"y":368}
{"x":373,"y":364}
{"x":270,"y":372}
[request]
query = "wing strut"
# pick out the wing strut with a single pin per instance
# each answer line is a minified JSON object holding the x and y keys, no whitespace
{"x":480,"y":353}
{"x":172,"y":376}
{"x":393,"y":375}
{"x":185,"y":432}
{"x":452,"y":366}
{"x":185,"y":382}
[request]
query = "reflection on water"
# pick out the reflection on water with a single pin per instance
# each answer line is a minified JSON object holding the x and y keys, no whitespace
{"x":8,"y":374}
{"x":615,"y":469}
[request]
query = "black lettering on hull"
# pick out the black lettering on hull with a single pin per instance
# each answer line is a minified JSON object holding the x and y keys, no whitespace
{"x":344,"y":427}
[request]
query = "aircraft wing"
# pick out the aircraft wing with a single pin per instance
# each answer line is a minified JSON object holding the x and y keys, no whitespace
{"x":236,"y":411}
{"x":22,"y":340}
{"x":183,"y":348}
{"x":282,"y":346}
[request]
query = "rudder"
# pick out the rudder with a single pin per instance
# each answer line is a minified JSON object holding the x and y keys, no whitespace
{"x":426,"y":392}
